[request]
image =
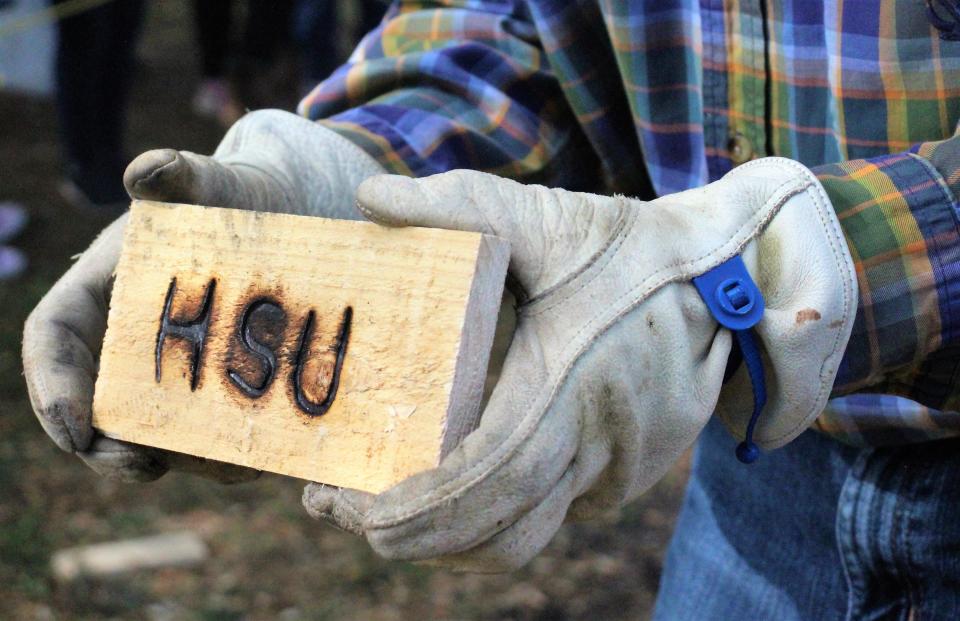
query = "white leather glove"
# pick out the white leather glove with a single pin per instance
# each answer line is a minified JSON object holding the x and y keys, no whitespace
{"x":616,"y":364}
{"x":268,"y":161}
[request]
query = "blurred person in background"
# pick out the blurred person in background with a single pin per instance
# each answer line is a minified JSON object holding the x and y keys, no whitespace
{"x":94,"y":74}
{"x":618,"y":363}
{"x":258,"y":71}
{"x":318,"y":26}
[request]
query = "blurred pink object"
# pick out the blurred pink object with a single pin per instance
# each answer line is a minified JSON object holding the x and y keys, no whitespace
{"x":13,"y":219}
{"x":12,"y":262}
{"x":212,"y":99}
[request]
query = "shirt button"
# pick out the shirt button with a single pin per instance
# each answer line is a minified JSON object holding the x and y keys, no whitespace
{"x":740,"y":149}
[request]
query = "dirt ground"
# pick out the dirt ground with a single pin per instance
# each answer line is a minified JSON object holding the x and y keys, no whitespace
{"x":269,"y":559}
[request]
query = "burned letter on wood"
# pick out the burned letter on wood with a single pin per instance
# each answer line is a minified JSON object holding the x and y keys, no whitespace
{"x":261,"y":332}
{"x":338,"y":351}
{"x":194,"y":331}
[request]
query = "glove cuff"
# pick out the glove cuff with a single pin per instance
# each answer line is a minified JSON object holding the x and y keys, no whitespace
{"x":802,"y":265}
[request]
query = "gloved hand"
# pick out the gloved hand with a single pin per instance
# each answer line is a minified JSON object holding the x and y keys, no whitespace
{"x":616,"y":364}
{"x":268,"y":161}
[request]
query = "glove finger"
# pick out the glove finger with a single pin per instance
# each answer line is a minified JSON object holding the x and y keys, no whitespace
{"x":345,"y":509}
{"x":123,"y":461}
{"x":227,"y":474}
{"x":183,"y":177}
{"x":551,"y":232}
{"x":518,"y":544}
{"x":495,"y":476}
{"x":62,"y":339}
{"x":443,"y":201}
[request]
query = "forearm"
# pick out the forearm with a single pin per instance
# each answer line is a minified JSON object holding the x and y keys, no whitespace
{"x":476,"y":93}
{"x":898,"y":213}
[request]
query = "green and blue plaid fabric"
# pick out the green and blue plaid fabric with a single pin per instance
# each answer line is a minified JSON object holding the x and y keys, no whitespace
{"x":657,"y":96}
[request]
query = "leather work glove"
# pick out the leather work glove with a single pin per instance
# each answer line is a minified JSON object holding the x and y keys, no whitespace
{"x":268,"y":161}
{"x":616,"y":363}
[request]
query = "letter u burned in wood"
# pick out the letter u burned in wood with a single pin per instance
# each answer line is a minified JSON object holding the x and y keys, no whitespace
{"x":340,"y":352}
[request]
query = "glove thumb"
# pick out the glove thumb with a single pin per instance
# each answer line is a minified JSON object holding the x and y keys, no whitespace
{"x":343,"y":508}
{"x":551,"y":232}
{"x":182,"y":177}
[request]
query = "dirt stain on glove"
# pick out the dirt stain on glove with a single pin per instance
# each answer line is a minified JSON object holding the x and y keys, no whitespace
{"x":807,"y":314}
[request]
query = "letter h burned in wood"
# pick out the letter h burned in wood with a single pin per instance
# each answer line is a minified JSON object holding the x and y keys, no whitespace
{"x":194,"y":331}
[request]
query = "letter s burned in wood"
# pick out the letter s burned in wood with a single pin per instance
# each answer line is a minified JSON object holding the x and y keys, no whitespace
{"x":265,"y":316}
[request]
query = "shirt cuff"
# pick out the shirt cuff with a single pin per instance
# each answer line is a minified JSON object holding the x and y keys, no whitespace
{"x":899,"y":215}
{"x":944,"y":155}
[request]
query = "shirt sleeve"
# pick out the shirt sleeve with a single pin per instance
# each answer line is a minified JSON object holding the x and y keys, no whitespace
{"x":899,"y":377}
{"x":454,"y":84}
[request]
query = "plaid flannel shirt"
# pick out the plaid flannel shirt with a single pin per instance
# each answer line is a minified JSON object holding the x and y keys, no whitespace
{"x":657,"y":96}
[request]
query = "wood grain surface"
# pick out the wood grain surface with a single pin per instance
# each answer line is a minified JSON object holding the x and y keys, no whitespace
{"x":334,"y":351}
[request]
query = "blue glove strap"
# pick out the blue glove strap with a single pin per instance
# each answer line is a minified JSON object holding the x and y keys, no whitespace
{"x":737,"y":304}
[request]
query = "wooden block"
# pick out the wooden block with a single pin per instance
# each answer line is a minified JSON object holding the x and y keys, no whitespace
{"x":341,"y":352}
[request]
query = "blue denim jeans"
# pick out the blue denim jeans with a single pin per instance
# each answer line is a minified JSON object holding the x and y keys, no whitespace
{"x":816,"y":530}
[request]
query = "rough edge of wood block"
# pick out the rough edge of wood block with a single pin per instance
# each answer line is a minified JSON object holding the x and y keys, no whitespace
{"x":476,"y":340}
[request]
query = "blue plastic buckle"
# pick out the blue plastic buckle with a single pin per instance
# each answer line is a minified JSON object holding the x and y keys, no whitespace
{"x":736,"y":303}
{"x":731,"y":295}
